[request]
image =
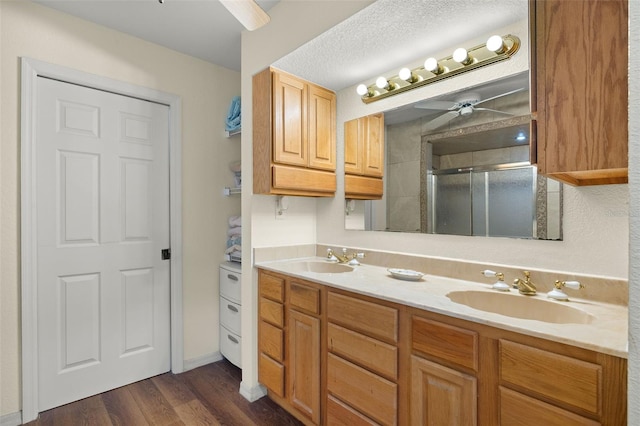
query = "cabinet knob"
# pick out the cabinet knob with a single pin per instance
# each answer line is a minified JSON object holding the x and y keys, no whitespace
{"x":233,"y":339}
{"x":232,"y":308}
{"x":232,"y":277}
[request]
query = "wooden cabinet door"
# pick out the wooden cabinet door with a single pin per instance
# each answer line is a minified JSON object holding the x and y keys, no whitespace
{"x":441,"y":396}
{"x":373,"y":152}
{"x":303,"y":374}
{"x":289,"y":120}
{"x":322,"y":125}
{"x":353,"y":133}
{"x":580,"y":66}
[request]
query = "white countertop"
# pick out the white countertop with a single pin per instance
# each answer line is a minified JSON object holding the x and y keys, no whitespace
{"x":607,"y":332}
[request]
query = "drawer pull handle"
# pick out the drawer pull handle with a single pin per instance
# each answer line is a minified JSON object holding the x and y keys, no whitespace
{"x":232,"y":308}
{"x":232,"y":277}
{"x":233,"y":339}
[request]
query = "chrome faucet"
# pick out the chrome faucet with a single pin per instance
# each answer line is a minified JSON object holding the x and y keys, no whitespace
{"x":350,"y":259}
{"x":525,"y":286}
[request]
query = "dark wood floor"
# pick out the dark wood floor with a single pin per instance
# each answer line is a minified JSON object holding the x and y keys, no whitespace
{"x":204,"y":396}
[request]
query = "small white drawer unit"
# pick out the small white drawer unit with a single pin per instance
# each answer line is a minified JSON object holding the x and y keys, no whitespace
{"x":230,"y":335}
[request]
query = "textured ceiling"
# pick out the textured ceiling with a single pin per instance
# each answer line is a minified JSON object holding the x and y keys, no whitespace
{"x":200,"y":28}
{"x":392,"y":33}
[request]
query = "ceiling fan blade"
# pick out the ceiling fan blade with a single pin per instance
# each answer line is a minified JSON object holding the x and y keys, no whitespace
{"x":437,"y":105}
{"x":248,"y":12}
{"x":492,"y":110}
{"x":501,"y":95}
{"x":441,"y":120}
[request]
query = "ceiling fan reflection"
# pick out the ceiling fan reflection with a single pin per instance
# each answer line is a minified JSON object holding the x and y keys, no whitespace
{"x":463,"y":106}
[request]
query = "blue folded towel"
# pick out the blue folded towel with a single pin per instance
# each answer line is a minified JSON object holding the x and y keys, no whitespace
{"x":233,"y":121}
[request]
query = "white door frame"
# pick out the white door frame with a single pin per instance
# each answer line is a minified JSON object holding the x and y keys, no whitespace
{"x":31,"y":70}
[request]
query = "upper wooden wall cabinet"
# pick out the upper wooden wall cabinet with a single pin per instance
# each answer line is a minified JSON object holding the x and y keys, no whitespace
{"x":579,"y":87}
{"x":294,"y":136}
{"x":364,"y":157}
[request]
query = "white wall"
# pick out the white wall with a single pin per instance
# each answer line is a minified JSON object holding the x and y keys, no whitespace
{"x":634,"y":210}
{"x":31,"y":30}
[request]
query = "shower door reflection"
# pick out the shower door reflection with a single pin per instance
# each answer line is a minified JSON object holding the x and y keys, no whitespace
{"x":497,"y":201}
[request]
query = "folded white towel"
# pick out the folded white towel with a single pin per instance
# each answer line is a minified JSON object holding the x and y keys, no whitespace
{"x":236,"y":230}
{"x":235,"y":221}
{"x":233,"y":248}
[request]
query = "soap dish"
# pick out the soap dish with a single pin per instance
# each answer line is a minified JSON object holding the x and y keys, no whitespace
{"x":405,"y":274}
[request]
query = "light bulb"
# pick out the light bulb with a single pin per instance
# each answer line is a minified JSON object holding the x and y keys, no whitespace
{"x":432,"y":65}
{"x":381,"y":82}
{"x":460,"y":55}
{"x":405,"y":74}
{"x":496,"y":44}
{"x":362,"y":89}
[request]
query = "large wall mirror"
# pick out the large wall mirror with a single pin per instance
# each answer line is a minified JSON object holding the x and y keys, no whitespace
{"x":461,"y":171}
{"x":459,"y":164}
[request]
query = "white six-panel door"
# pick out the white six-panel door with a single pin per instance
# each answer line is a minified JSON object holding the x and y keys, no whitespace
{"x":102,"y":188}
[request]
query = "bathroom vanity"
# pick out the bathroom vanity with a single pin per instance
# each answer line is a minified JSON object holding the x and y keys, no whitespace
{"x":342,"y":345}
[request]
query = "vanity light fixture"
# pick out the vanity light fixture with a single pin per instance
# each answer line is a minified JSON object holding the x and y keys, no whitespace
{"x":496,"y":49}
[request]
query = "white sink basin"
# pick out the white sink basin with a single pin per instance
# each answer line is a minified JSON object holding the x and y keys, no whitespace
{"x":524,"y":307}
{"x":321,"y":267}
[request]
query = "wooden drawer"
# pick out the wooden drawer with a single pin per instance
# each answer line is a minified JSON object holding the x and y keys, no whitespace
{"x":369,"y":393}
{"x":446,"y":342}
{"x":271,"y":341}
{"x":271,"y":287}
{"x":340,"y":414}
{"x":514,"y":404}
{"x":561,"y":378}
{"x":364,"y":351}
{"x":304,"y":297}
{"x":302,"y":179}
{"x":369,"y":318}
{"x":271,"y":374}
{"x":272,"y":312}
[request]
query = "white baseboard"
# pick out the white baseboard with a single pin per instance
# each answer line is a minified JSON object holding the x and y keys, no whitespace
{"x":252,"y":393}
{"x":190,"y":364}
{"x":13,"y":419}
